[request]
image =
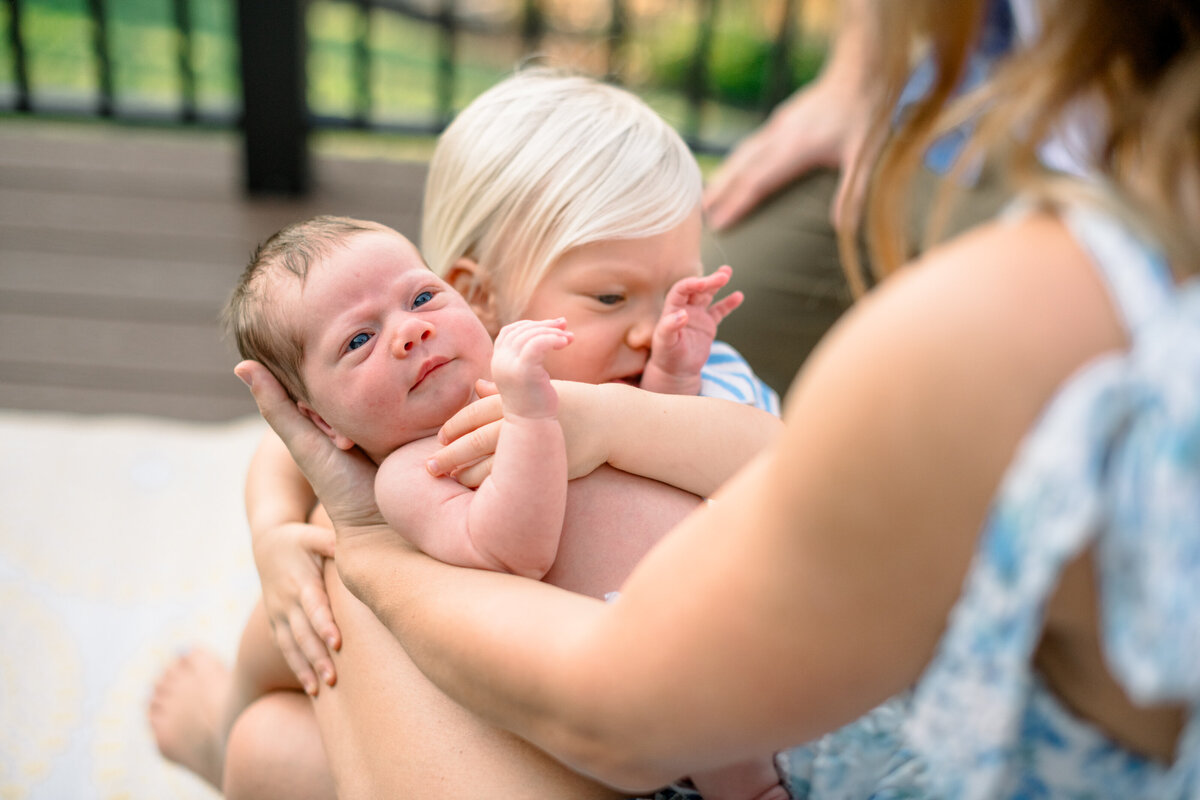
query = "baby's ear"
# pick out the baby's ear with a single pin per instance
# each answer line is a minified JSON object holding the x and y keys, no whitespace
{"x":469,"y":280}
{"x":339,"y":441}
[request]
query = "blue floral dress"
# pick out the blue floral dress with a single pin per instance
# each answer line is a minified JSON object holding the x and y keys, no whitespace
{"x":1113,"y":464}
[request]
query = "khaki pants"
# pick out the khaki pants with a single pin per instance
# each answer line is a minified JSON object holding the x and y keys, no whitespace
{"x":785,"y":259}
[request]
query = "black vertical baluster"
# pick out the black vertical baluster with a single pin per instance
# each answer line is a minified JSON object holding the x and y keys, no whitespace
{"x":183,"y":54}
{"x":16,"y":36}
{"x":778,"y":78}
{"x":362,"y":65}
{"x":533,"y":25}
{"x":272,"y":43}
{"x":447,"y":45}
{"x":696,"y":85}
{"x":618,"y":26}
{"x":100,"y":51}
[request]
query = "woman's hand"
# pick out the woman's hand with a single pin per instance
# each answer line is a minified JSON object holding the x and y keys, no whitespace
{"x":343,"y":480}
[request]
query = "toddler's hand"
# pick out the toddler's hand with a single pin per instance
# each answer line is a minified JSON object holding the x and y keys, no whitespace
{"x":518,"y":366}
{"x":289,"y":560}
{"x":685,"y":333}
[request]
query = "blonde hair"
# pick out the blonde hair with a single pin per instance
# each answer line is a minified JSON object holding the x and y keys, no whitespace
{"x":544,"y":162}
{"x":260,"y":332}
{"x":1139,"y":61}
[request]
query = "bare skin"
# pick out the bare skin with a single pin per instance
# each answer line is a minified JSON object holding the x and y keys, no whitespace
{"x":386,"y":729}
{"x":186,"y":713}
{"x":967,"y":349}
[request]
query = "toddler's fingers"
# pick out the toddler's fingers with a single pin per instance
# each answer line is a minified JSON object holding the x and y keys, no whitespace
{"x":486,"y":388}
{"x":723,"y":307}
{"x":312,"y":648}
{"x":315,"y":603}
{"x":475,"y":415}
{"x":465,"y":450}
{"x":296,"y":661}
{"x":473,"y":475}
{"x":318,"y":539}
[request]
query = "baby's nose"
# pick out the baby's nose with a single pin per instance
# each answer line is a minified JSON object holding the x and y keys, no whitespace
{"x":409,"y":336}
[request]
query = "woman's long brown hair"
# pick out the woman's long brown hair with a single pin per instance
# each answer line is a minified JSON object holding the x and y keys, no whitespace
{"x":1136,"y":63}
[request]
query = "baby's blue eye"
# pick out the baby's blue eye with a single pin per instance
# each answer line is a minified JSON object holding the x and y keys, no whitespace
{"x":422,"y":298}
{"x":610,"y":299}
{"x":358,"y":341}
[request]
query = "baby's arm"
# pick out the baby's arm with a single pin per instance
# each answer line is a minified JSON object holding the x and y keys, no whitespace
{"x":685,"y":333}
{"x":288,"y":553}
{"x":513,"y":522}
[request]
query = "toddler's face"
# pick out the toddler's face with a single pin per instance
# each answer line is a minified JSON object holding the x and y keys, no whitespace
{"x":612,"y":294}
{"x":390,"y":350}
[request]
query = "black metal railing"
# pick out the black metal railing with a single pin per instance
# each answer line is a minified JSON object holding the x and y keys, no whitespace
{"x":270,"y":47}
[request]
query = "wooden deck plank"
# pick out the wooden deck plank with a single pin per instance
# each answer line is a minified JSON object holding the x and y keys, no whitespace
{"x":118,"y":249}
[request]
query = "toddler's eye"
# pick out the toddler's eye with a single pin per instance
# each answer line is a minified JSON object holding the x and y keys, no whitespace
{"x":610,"y":299}
{"x":358,"y":341}
{"x":422,"y":298}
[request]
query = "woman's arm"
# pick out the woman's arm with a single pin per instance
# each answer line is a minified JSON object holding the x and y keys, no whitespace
{"x":819,"y":581}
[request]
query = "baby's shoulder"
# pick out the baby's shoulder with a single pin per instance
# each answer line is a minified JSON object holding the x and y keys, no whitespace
{"x":408,"y":457}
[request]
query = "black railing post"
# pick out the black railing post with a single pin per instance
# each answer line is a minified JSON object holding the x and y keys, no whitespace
{"x":696,"y":82}
{"x":100,"y":50}
{"x":618,"y":26}
{"x":362,"y":65}
{"x":778,"y":77}
{"x":445,"y":74}
{"x":271,"y":39}
{"x":533,"y":26}
{"x":183,"y":57}
{"x":16,"y":37}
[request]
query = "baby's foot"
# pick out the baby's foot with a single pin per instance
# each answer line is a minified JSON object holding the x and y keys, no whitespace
{"x":186,"y":710}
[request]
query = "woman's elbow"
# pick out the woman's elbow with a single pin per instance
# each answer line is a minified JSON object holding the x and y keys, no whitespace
{"x":613,"y":752}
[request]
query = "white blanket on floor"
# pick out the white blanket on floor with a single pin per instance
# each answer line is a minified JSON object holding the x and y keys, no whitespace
{"x":123,"y":541}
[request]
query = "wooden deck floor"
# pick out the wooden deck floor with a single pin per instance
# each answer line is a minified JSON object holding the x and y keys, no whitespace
{"x":118,"y":247}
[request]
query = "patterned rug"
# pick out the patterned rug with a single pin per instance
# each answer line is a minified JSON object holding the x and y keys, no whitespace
{"x":122,"y":542}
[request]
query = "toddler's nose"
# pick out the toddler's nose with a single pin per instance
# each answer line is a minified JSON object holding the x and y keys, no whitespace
{"x":409,"y":335}
{"x":641,"y":332}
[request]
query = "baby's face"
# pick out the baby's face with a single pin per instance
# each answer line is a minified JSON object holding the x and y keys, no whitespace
{"x":390,"y":350}
{"x":612,"y":295}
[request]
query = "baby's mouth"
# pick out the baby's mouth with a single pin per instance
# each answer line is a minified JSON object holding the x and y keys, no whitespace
{"x":427,"y":368}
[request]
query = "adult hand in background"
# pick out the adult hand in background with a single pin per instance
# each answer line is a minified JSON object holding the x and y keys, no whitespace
{"x":821,"y":126}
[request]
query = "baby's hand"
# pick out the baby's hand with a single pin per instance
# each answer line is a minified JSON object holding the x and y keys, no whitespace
{"x":685,"y":333}
{"x":518,"y":366}
{"x":289,"y":560}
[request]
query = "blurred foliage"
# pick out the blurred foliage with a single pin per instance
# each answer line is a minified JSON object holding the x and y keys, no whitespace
{"x":738,"y":68}
{"x":144,"y":50}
